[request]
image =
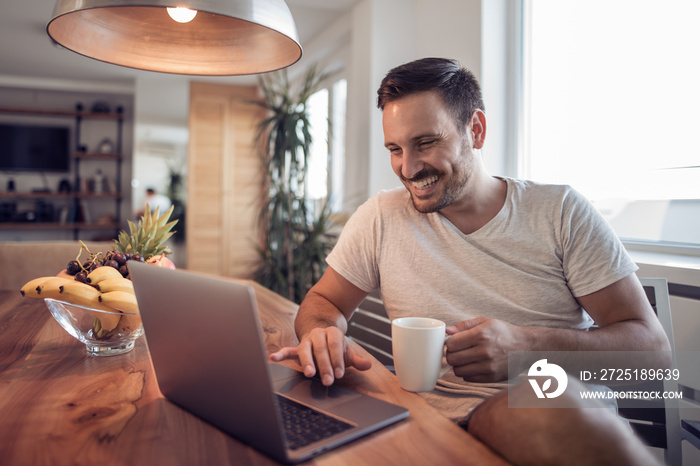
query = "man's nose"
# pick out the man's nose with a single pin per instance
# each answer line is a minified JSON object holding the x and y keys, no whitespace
{"x":411,"y":164}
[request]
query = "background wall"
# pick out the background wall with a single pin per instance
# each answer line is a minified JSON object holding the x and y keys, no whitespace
{"x":385,"y":34}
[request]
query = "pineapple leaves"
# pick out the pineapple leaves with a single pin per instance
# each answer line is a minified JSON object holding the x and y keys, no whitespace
{"x":148,"y":237}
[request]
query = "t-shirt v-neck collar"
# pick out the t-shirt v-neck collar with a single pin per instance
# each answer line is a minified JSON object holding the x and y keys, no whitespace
{"x":491,"y":224}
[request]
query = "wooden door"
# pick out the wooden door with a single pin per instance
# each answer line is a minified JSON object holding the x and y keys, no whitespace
{"x":224,"y":180}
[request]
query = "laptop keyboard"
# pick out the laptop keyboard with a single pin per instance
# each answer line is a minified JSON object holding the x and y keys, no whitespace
{"x":304,"y":425}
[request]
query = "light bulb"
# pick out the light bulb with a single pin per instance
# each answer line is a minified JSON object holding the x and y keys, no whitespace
{"x":182,"y":15}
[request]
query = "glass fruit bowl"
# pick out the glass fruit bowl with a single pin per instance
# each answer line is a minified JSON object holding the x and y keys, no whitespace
{"x":104,"y":333}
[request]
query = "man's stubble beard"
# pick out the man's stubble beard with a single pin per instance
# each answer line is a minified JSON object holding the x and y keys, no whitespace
{"x":453,"y":189}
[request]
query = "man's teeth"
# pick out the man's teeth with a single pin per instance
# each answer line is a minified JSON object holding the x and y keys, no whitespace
{"x":424,"y":183}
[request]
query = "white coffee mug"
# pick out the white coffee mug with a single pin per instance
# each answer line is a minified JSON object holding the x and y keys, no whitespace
{"x":418,"y":347}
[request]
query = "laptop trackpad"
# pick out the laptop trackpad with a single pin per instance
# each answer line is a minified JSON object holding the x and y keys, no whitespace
{"x":295,"y":385}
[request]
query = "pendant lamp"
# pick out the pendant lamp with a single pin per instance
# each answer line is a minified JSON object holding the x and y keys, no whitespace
{"x":216,"y":38}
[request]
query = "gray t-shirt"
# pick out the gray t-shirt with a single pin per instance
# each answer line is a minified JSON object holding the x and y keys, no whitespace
{"x":546,"y":246}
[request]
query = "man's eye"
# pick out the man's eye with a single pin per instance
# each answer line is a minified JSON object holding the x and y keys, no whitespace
{"x":395,"y":150}
{"x":426,"y":144}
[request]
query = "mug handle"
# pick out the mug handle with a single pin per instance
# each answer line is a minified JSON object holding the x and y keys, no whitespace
{"x":446,"y":367}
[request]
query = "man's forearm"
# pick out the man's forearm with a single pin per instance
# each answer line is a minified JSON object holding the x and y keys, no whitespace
{"x":620,"y":336}
{"x":627,"y":323}
{"x":611,"y":343}
{"x":317,"y":312}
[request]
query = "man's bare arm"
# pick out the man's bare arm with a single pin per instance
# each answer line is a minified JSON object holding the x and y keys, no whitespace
{"x":625,"y":319}
{"x":330,"y":302}
{"x":479,"y":347}
{"x":321,"y":324}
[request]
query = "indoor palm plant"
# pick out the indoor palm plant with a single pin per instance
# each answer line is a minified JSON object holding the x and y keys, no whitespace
{"x":294,"y":244}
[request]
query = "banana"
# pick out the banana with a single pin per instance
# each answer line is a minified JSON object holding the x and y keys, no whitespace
{"x":83,"y":294}
{"x":44,"y":287}
{"x":129,"y":322}
{"x":115,"y":284}
{"x":102,"y":273}
{"x":122,"y":300}
{"x":80,"y":293}
{"x":71,"y":291}
{"x":108,"y":322}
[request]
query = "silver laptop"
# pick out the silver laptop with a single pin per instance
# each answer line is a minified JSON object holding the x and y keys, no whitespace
{"x":209,"y":356}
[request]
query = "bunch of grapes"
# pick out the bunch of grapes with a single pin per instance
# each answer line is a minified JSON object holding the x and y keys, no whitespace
{"x":112,"y":258}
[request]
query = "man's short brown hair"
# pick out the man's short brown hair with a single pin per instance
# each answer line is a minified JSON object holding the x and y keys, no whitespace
{"x":457,"y":86}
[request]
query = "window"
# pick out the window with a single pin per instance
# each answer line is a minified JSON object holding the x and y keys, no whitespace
{"x":612,"y":108}
{"x":317,"y":174}
{"x":325,"y":173}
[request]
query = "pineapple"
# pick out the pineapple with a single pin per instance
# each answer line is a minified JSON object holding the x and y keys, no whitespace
{"x":148,"y":238}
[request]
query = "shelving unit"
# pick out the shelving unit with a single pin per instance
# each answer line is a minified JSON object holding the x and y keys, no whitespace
{"x":79,"y":195}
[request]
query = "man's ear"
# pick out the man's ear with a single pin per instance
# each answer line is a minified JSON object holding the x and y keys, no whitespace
{"x":477,"y":125}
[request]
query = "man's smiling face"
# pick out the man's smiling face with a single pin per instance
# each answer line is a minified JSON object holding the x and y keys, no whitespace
{"x":429,"y":153}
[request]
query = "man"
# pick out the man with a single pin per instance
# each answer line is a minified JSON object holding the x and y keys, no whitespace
{"x":509,"y":265}
{"x":153,"y":201}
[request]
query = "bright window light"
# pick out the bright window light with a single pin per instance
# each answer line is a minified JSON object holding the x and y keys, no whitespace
{"x":339,"y":109}
{"x":317,"y":174}
{"x":612,"y":108}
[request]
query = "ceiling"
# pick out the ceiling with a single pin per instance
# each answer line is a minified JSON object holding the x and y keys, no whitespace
{"x":27,"y":52}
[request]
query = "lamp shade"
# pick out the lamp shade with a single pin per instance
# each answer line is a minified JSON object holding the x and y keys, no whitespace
{"x":226,"y":37}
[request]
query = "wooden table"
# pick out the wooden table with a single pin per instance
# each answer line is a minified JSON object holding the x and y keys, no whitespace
{"x":60,"y":406}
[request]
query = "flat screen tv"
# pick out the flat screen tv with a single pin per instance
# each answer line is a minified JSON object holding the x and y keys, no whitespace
{"x":34,"y":148}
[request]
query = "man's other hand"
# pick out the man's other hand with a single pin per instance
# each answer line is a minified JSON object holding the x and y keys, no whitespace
{"x":478,"y":348}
